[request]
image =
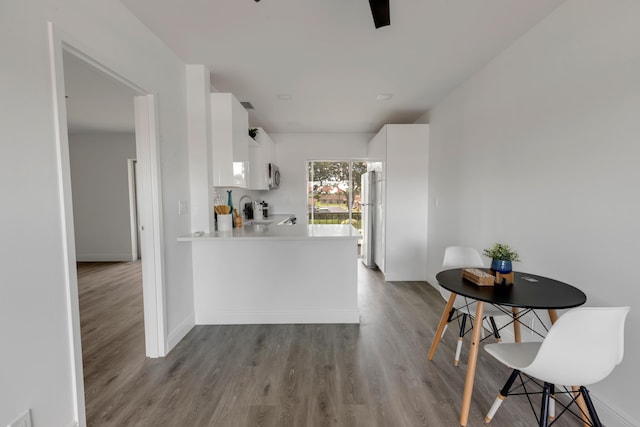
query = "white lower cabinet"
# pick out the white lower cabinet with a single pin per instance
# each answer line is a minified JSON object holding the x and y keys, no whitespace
{"x":275,"y":280}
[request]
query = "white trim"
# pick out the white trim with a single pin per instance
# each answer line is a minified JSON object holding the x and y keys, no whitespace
{"x":433,"y":282}
{"x":181,"y":331}
{"x":150,"y":225}
{"x":610,"y":417}
{"x":124,"y":257}
{"x":61,"y":136}
{"x":133,"y":207}
{"x":279,"y":317}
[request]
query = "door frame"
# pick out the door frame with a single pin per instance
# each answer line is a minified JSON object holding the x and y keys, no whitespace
{"x":147,"y":151}
{"x":133,"y":209}
{"x":150,"y":225}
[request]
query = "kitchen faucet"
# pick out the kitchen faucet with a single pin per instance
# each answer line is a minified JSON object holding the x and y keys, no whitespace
{"x":241,"y":206}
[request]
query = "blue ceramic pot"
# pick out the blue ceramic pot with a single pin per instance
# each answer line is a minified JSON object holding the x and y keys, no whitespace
{"x":501,"y":266}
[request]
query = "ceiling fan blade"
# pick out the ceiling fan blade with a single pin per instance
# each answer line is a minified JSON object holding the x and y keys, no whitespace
{"x":380,"y":12}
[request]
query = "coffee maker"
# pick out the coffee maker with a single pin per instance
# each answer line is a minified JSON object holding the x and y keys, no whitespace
{"x":248,"y":210}
{"x":256,"y":210}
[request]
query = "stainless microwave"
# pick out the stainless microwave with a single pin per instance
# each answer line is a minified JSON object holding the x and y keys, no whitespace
{"x":274,"y":176}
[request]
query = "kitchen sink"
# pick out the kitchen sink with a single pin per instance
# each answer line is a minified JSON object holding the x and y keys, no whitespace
{"x":260,"y":221}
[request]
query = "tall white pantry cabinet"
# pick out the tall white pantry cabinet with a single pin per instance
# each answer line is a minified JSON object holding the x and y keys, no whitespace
{"x":399,"y":154}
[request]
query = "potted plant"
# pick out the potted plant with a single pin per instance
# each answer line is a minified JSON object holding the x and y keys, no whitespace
{"x":501,"y":257}
{"x":253,"y":132}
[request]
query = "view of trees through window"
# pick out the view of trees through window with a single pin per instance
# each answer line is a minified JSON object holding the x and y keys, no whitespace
{"x":333,"y":190}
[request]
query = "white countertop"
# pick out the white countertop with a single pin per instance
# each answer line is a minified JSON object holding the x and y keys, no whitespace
{"x":279,"y":232}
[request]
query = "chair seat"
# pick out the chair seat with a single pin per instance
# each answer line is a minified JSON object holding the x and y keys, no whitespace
{"x":515,"y":355}
{"x":581,"y":348}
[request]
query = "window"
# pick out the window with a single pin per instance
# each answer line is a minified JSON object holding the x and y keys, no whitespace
{"x":333,"y":192}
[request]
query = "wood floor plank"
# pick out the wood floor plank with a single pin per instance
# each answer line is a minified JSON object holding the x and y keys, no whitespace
{"x":375,"y":374}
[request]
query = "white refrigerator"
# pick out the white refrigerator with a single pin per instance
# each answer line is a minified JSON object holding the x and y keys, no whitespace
{"x":368,"y":212}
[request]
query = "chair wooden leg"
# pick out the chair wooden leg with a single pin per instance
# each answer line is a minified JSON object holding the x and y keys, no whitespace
{"x":451,"y":313}
{"x":463,"y":326}
{"x":544,"y":407}
{"x":441,"y":325}
{"x":584,"y":410}
{"x":552,"y":403}
{"x":592,"y":410}
{"x":501,"y":396}
{"x":516,"y":324}
{"x":471,"y":365}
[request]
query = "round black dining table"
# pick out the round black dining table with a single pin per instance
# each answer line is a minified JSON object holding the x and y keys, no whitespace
{"x":527,"y":291}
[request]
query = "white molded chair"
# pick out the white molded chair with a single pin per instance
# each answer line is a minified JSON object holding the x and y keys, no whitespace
{"x":581,"y":348}
{"x":461,"y":257}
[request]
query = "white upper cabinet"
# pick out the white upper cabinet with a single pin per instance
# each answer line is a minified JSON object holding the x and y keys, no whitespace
{"x":230,"y":147}
{"x":261,"y":153}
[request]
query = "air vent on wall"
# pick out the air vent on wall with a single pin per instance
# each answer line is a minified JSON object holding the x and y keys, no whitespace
{"x":247,"y":105}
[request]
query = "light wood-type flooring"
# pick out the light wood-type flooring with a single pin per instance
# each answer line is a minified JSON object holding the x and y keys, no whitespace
{"x":372,"y":374}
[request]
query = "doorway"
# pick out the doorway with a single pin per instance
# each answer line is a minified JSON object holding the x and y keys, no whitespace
{"x":147,"y":155}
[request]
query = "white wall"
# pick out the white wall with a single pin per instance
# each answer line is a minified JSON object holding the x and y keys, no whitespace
{"x":36,"y":359}
{"x":423,"y":119}
{"x":540,"y":150}
{"x":292,"y":153}
{"x":99,"y":178}
{"x":199,"y":131}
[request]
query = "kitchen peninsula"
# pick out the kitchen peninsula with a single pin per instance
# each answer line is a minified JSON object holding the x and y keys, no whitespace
{"x":276,"y":274}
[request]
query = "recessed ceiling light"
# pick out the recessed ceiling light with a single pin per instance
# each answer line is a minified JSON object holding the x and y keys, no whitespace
{"x":384,"y":96}
{"x":284,"y":97}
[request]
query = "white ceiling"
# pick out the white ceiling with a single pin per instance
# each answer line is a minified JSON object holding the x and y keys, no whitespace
{"x":328,"y":56}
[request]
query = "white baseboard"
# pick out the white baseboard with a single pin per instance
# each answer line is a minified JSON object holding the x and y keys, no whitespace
{"x":611,"y":417}
{"x":180,"y":331}
{"x":104,"y":258}
{"x":432,"y":281}
{"x":272,"y":317}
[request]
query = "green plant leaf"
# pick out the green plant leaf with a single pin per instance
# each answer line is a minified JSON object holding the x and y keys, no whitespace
{"x":502,"y":252}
